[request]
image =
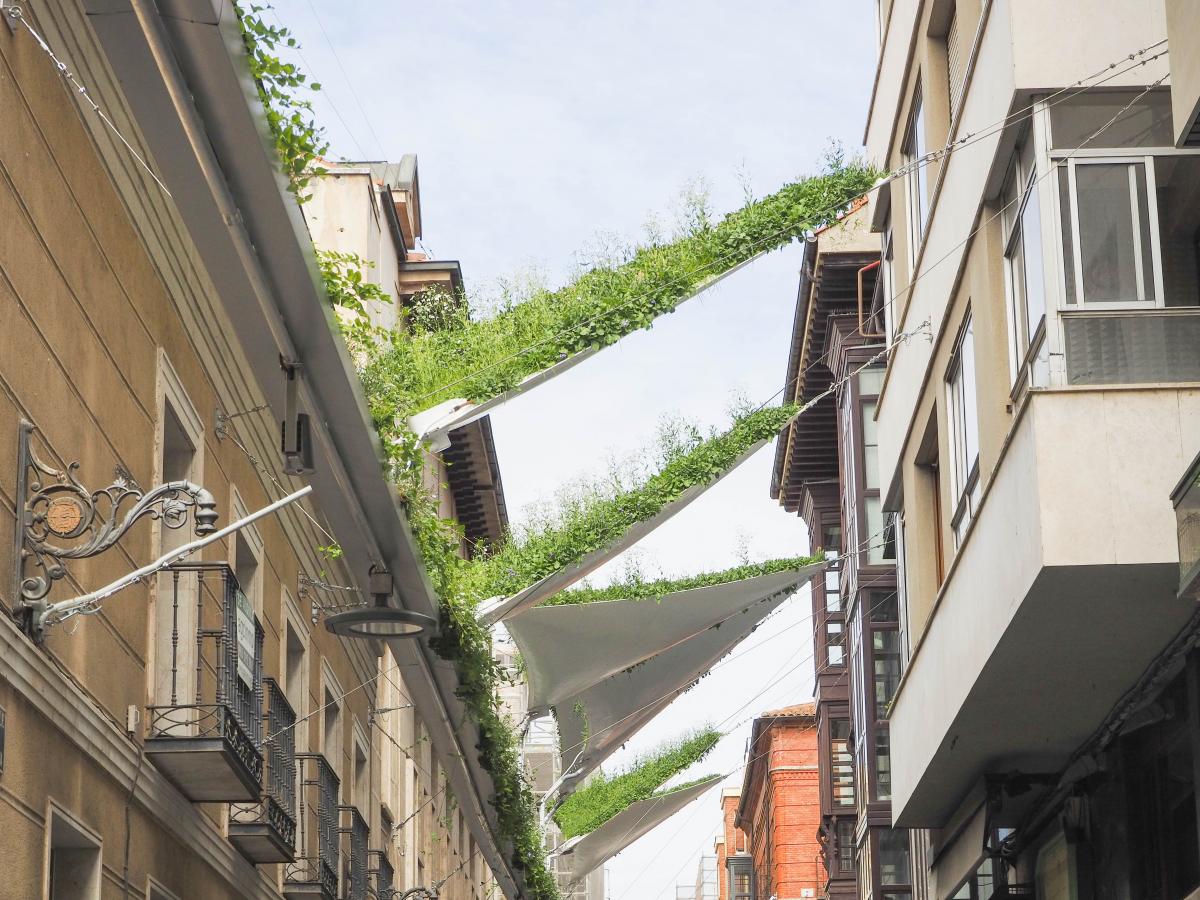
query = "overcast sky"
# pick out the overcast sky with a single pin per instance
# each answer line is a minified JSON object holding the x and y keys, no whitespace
{"x":542,"y":128}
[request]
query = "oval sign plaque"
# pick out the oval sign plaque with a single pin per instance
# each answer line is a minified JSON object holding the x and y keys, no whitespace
{"x":63,"y":515}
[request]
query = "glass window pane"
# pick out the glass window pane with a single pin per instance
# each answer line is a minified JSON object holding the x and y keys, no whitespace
{"x":893,"y":856}
{"x":886,"y":647}
{"x":1067,"y":230}
{"x":885,"y":607}
{"x":1033,"y":274}
{"x":874,"y":536}
{"x":1106,"y":231}
{"x":970,"y":400}
{"x":1146,"y":124}
{"x":870,"y":381}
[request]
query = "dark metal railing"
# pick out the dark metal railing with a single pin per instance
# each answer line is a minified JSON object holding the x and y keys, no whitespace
{"x":317,"y":817}
{"x":219,"y":701}
{"x":278,"y":805}
{"x":357,"y":832}
{"x":385,"y":876}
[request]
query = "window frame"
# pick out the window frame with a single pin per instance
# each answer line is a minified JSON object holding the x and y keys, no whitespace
{"x":1068,"y":225}
{"x":964,"y":473}
{"x":916,"y":184}
{"x":1024,"y":180}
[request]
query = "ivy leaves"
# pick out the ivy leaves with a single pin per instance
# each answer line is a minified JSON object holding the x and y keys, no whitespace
{"x":299,"y":140}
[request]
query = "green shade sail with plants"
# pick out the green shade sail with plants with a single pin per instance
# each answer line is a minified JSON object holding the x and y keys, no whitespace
{"x":602,"y":798}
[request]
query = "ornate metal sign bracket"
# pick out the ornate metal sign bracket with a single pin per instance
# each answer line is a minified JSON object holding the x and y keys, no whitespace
{"x":60,"y":519}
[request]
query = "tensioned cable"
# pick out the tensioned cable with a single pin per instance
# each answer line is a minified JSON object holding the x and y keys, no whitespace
{"x":887,"y":178}
{"x":16,"y":14}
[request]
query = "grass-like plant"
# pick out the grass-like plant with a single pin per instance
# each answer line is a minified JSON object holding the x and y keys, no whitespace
{"x":639,"y":589}
{"x":603,"y":797}
{"x":481,"y":358}
{"x":586,"y":527}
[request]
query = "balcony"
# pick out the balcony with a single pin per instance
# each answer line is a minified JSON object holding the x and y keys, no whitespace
{"x":265,"y":832}
{"x":384,"y":875}
{"x":1186,"y":500}
{"x":1064,"y":591}
{"x":206,"y":738}
{"x":313,"y":874}
{"x":355,"y":831}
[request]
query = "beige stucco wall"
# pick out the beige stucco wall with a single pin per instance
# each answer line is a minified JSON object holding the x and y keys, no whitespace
{"x":98,"y":286}
{"x":1183,"y":32}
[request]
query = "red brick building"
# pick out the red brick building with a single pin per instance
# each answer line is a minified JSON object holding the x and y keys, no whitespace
{"x":771,"y":847}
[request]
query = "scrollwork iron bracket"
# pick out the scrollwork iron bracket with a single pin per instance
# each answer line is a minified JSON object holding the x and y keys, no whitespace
{"x":53,"y":506}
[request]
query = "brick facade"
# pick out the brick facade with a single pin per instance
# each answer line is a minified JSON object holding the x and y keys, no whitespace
{"x":778,"y":811}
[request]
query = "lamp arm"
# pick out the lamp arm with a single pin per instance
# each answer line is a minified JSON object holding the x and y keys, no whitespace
{"x":54,"y":613}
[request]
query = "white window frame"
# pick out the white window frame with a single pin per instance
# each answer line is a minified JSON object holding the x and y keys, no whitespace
{"x":88,"y":839}
{"x":964,"y":473}
{"x":1025,"y":347}
{"x":916,"y":183}
{"x":1072,"y":162}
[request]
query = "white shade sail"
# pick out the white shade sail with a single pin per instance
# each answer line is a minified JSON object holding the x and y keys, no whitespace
{"x":434,"y":424}
{"x":506,"y":607}
{"x":567,"y":649}
{"x":590,"y":851}
{"x":595,"y":722}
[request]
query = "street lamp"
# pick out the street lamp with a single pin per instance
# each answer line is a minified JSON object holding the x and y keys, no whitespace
{"x":380,"y":620}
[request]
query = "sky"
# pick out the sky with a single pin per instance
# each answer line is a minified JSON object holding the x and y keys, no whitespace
{"x":547,"y":129}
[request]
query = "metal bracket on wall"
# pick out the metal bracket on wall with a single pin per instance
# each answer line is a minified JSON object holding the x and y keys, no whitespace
{"x":11,"y":14}
{"x":59,"y":519}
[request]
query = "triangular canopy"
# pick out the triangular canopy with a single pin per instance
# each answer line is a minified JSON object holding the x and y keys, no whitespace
{"x":590,"y":851}
{"x":595,"y":722}
{"x":617,"y":634}
{"x":504,"y":608}
{"x":434,"y":424}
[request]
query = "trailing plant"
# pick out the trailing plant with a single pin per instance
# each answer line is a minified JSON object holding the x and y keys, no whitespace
{"x":602,"y":798}
{"x":493,"y":354}
{"x":299,"y":140}
{"x":604,"y":518}
{"x":637,"y":589}
{"x":352,"y":296}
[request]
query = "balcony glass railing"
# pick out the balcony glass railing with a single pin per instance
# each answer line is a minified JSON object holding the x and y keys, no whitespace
{"x":1134,"y":347}
{"x":1187,"y":521}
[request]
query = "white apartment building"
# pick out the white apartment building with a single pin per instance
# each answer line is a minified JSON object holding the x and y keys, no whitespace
{"x":1040,"y":278}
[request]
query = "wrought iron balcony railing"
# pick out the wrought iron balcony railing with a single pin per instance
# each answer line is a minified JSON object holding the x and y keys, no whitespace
{"x":383,"y":887}
{"x":265,"y":832}
{"x":205,"y":732}
{"x":314,"y":871}
{"x":356,"y":831}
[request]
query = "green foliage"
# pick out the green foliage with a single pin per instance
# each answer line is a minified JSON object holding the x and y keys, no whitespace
{"x":299,"y":140}
{"x":637,"y":589}
{"x":491,"y":355}
{"x":602,"y":798}
{"x":352,"y":295}
{"x":589,"y":526}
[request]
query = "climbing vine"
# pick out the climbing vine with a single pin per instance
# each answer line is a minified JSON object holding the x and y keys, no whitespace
{"x":604,"y":796}
{"x":637,"y":589}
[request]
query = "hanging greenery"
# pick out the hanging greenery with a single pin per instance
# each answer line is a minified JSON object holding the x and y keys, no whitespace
{"x":593,"y":525}
{"x":637,"y":589}
{"x":603,"y":797}
{"x":487,"y":356}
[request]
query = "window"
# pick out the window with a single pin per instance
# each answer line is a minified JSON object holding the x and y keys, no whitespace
{"x":883,"y":763}
{"x":956,"y":60}
{"x":835,"y":643}
{"x":833,"y":587}
{"x":843,"y":762}
{"x":295,"y":669}
{"x":1025,"y":272}
{"x":893,"y":856}
{"x":845,"y":846}
{"x":916,"y":180}
{"x":741,"y":877}
{"x":180,"y":442}
{"x":962,"y":399}
{"x":362,"y":774}
{"x":331,"y":731}
{"x":885,"y":651}
{"x":887,"y":281}
{"x":73,"y":866}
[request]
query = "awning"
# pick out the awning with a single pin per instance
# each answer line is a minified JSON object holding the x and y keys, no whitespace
{"x":590,"y":851}
{"x":595,"y":722}
{"x":504,"y":608}
{"x":434,"y":424}
{"x":567,"y":649}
